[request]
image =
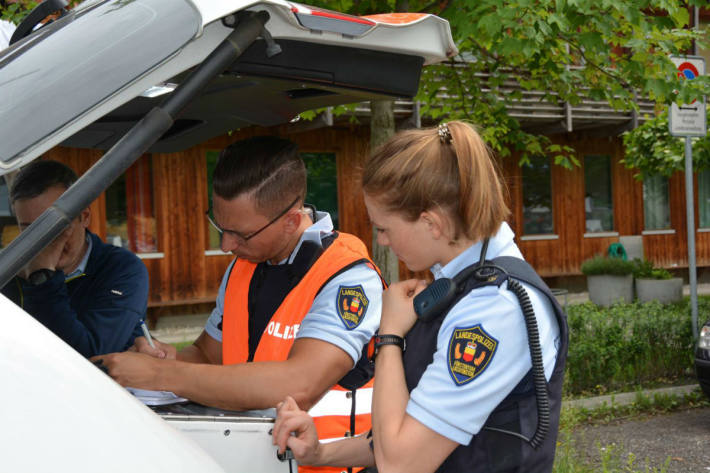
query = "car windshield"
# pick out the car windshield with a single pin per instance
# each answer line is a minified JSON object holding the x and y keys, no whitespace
{"x":68,"y":67}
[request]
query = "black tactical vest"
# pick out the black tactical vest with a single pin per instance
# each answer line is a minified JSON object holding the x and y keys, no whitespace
{"x":492,"y":451}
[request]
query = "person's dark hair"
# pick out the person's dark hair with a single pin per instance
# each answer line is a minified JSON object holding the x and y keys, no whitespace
{"x":266,"y":167}
{"x":38,"y":176}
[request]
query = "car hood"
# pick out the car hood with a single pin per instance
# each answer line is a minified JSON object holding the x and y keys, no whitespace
{"x":88,"y":77}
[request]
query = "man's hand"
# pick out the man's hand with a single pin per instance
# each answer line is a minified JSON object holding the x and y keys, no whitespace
{"x":132,"y":369}
{"x":398,"y":314}
{"x":161,"y":350}
{"x":304,"y":441}
{"x":47,"y":258}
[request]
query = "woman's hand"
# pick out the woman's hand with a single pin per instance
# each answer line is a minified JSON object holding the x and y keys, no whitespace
{"x":295,"y":429}
{"x":398,"y":314}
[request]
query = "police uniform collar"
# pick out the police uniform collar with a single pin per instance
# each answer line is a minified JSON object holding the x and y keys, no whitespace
{"x":322,"y":227}
{"x":471,"y":254}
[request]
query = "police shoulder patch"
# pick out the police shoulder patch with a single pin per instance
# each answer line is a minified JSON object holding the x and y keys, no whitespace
{"x":351,"y":305}
{"x":470,"y":351}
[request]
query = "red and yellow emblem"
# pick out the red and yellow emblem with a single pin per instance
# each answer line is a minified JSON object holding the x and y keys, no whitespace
{"x":352,"y":304}
{"x":470,"y":351}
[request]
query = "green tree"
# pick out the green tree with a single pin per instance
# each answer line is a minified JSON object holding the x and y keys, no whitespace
{"x":606,"y":50}
{"x":651,"y":150}
{"x":567,"y":49}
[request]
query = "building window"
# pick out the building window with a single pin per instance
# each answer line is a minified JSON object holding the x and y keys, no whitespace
{"x":537,"y":197}
{"x":656,"y":206}
{"x":704,"y":199}
{"x":598,"y":204}
{"x":322,"y":190}
{"x":130,"y":217}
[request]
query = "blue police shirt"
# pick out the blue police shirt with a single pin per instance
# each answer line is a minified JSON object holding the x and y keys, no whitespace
{"x":323,"y":321}
{"x":448,"y":401}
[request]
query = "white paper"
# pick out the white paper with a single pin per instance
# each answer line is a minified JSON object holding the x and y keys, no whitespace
{"x":156,"y":398}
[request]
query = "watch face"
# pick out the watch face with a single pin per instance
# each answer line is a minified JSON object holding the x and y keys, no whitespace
{"x":40,"y":276}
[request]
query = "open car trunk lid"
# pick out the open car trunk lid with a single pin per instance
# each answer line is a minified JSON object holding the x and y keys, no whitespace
{"x":87,"y":78}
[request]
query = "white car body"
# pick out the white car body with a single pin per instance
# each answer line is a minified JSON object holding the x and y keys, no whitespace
{"x":59,"y":412}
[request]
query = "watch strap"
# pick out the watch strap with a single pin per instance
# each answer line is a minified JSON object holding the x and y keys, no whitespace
{"x":387,"y":339}
{"x":379,"y":340}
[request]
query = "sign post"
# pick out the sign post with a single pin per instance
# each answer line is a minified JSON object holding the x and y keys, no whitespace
{"x":689,"y":120}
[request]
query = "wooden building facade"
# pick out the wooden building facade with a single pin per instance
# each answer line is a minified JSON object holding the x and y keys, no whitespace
{"x":165,"y":198}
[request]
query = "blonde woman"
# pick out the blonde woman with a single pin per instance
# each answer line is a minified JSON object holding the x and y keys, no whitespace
{"x":462,"y":394}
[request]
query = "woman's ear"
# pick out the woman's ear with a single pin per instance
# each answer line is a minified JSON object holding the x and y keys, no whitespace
{"x":439,"y":223}
{"x":434,"y":223}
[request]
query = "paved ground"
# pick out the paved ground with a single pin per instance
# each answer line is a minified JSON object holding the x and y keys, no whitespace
{"x":682,"y":436}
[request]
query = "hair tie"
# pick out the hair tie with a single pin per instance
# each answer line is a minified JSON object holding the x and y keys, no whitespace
{"x":444,"y":133}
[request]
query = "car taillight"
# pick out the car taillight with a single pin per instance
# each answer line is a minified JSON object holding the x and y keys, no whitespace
{"x":704,"y":339}
{"x":318,"y":19}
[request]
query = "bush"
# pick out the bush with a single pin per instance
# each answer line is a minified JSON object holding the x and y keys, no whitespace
{"x":628,"y":345}
{"x":644,"y":269}
{"x":612,"y":266}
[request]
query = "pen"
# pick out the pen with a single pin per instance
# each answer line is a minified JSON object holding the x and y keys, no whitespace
{"x":147,"y":334}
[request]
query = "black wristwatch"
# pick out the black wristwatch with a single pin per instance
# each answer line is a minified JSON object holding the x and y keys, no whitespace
{"x":40,"y":276}
{"x":380,"y":340}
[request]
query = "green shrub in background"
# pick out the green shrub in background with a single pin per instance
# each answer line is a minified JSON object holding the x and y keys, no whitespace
{"x":644,"y":269}
{"x":628,"y":345}
{"x":602,"y":265}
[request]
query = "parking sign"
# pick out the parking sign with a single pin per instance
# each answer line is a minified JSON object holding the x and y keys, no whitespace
{"x":688,"y":119}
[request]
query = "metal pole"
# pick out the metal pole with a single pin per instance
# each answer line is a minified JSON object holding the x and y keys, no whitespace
{"x":692,"y":276}
{"x":690,"y":217}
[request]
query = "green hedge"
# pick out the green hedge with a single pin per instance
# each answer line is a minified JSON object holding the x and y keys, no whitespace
{"x":628,"y":345}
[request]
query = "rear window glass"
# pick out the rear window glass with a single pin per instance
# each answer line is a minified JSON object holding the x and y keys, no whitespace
{"x":66,"y":68}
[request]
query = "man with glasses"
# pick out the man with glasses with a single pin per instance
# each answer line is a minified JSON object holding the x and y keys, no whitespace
{"x":294,"y":309}
{"x":90,"y":294}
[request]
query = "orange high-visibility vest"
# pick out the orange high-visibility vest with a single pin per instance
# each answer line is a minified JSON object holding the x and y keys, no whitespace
{"x":332,"y":413}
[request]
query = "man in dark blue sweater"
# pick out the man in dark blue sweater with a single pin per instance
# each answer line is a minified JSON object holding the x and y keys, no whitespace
{"x":90,"y":294}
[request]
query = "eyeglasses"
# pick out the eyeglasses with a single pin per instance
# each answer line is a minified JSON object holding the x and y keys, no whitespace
{"x":244,"y":238}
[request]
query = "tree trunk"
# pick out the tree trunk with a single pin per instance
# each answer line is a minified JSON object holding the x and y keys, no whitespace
{"x":381,"y":128}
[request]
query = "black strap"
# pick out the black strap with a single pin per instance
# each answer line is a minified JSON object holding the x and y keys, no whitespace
{"x":522,"y":271}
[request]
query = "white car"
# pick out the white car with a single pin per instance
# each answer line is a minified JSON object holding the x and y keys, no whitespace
{"x":131,"y":76}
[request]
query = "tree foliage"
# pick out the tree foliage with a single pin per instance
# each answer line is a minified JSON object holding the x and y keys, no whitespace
{"x":606,"y":50}
{"x":16,"y":12}
{"x":567,"y":49}
{"x":652,"y":150}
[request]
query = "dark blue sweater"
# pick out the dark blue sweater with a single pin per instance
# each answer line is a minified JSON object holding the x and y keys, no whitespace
{"x":97,"y":312}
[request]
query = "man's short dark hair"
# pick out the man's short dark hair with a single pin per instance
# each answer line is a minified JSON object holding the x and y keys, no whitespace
{"x":267,"y":166}
{"x":38,"y":176}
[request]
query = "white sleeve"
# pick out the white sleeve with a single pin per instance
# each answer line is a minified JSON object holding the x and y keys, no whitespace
{"x":482,"y":353}
{"x":347,"y":311}
{"x":213,"y":327}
